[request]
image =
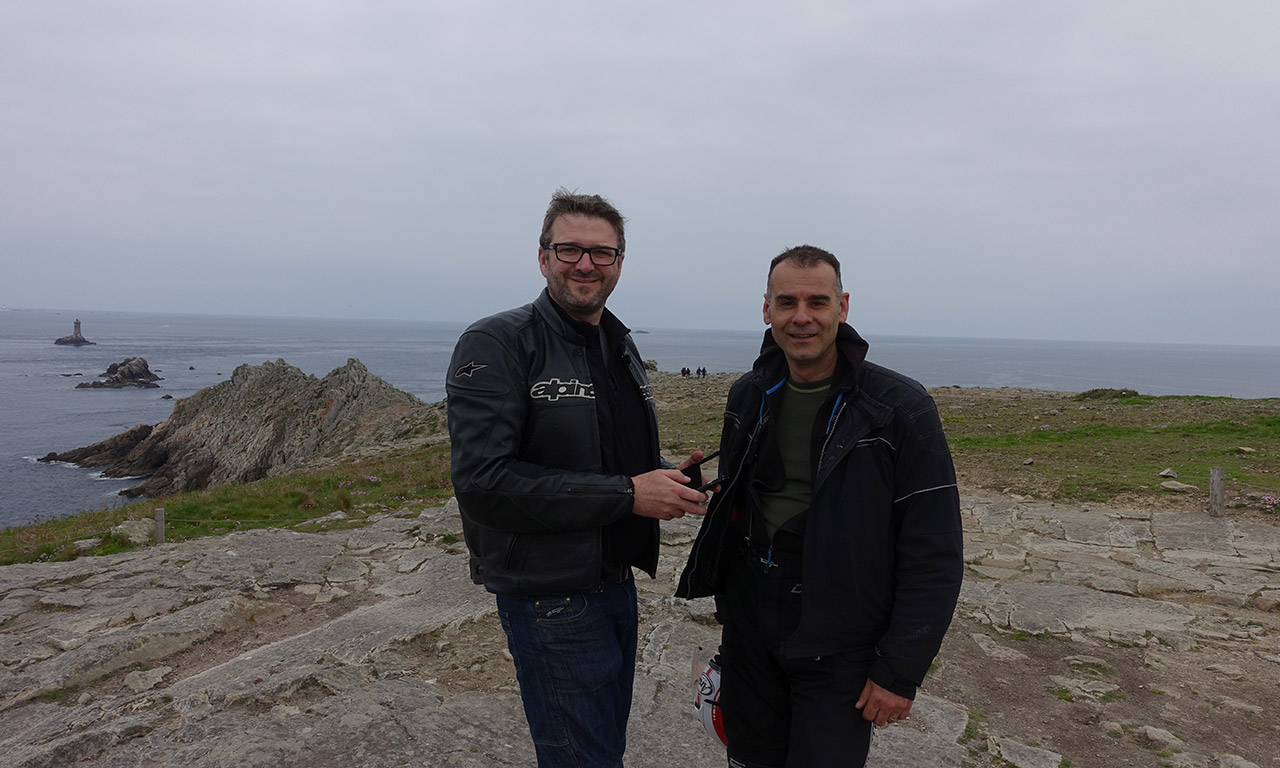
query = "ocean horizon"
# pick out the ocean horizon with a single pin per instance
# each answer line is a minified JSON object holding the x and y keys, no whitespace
{"x":42,"y":411}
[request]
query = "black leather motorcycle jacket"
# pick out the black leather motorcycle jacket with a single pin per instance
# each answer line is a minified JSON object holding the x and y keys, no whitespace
{"x":526,"y":460}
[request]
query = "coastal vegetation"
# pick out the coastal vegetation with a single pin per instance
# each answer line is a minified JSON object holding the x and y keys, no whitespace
{"x":1108,"y":446}
{"x":1113,"y":446}
{"x":343,"y":496}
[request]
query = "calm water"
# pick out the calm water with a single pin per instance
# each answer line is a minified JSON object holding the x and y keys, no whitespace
{"x":41,"y":411}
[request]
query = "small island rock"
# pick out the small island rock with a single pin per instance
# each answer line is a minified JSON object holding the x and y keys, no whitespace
{"x":130,"y":372}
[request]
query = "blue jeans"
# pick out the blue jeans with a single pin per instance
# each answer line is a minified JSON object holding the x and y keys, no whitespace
{"x":575,"y":657}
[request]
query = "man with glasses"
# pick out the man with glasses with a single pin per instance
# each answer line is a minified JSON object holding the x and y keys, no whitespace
{"x":561,"y":486}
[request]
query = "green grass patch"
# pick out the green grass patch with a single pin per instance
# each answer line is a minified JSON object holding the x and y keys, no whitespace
{"x":1092,"y":669}
{"x":387,"y":485}
{"x":56,"y":696}
{"x":1095,"y":450}
{"x":973,"y":728}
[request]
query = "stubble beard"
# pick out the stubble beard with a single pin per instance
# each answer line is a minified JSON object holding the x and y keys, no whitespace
{"x":803,"y":354}
{"x":562,"y":291}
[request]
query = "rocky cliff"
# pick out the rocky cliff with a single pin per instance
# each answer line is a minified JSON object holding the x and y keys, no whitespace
{"x":265,"y":420}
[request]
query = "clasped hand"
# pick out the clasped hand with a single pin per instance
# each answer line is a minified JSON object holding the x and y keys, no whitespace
{"x":664,"y":494}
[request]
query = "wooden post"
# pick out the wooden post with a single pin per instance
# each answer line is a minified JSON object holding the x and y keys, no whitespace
{"x":159,"y":525}
{"x":1217,"y":492}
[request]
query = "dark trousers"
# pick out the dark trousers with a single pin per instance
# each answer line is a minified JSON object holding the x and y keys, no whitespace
{"x":575,"y":658}
{"x":784,"y":712}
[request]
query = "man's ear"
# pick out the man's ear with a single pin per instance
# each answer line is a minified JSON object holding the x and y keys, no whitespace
{"x":543,"y":261}
{"x":767,"y":319}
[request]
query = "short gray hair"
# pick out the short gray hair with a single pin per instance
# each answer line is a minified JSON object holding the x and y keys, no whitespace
{"x":805,"y":256}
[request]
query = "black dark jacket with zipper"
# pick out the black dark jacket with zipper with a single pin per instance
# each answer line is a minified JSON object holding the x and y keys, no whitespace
{"x":883,"y":552}
{"x":526,"y":459}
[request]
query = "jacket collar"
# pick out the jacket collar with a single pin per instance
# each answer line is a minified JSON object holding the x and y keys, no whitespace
{"x":614,"y":330}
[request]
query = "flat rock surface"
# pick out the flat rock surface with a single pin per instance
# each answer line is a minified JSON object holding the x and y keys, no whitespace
{"x":1084,"y":637}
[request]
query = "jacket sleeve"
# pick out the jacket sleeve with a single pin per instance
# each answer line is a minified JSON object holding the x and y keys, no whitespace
{"x":495,"y":485}
{"x":929,"y":552}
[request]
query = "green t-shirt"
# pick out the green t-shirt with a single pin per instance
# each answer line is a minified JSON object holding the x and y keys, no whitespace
{"x":798,"y":406}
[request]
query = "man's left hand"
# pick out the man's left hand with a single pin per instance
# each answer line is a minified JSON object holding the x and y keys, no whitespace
{"x":881,"y":706}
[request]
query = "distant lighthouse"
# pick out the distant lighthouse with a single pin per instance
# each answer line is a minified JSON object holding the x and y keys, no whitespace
{"x":75,"y":339}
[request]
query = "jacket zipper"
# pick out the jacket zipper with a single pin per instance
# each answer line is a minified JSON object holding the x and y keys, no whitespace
{"x":751,"y":438}
{"x":831,"y":430}
{"x":574,"y":489}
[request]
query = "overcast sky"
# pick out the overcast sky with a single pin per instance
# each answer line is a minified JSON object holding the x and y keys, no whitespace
{"x":987,"y":168}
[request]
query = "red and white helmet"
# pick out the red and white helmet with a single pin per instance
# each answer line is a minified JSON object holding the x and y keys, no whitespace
{"x":706,"y":700}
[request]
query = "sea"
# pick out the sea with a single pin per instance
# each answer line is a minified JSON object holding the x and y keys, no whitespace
{"x":41,"y":411}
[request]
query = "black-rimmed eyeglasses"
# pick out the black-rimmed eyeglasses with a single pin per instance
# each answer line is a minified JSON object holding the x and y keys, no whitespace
{"x":570,"y":253}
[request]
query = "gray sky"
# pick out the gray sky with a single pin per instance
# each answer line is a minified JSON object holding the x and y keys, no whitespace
{"x":1066,"y":170}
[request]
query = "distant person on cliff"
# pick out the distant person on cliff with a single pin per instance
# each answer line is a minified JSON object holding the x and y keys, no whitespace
{"x":833,"y":546}
{"x":561,"y":486}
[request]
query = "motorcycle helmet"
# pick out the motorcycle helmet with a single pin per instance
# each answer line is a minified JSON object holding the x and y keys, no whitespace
{"x":706,"y":700}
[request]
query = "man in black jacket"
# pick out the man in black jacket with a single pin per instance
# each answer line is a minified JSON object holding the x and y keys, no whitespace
{"x":833,"y":545}
{"x":556,"y":470}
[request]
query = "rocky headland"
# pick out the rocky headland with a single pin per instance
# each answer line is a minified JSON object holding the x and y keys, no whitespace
{"x":130,"y":372}
{"x":1086,"y":635}
{"x":265,"y":420}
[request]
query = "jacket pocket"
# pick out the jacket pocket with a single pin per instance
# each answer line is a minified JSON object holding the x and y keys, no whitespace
{"x":558,"y":609}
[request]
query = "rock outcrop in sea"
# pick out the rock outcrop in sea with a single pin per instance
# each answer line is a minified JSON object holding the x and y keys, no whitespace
{"x":129,"y":372}
{"x":75,"y":339}
{"x":265,"y":420}
{"x":104,"y":453}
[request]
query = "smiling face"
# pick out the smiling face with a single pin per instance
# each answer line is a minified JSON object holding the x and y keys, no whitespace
{"x":805,"y":307}
{"x":581,"y":288}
